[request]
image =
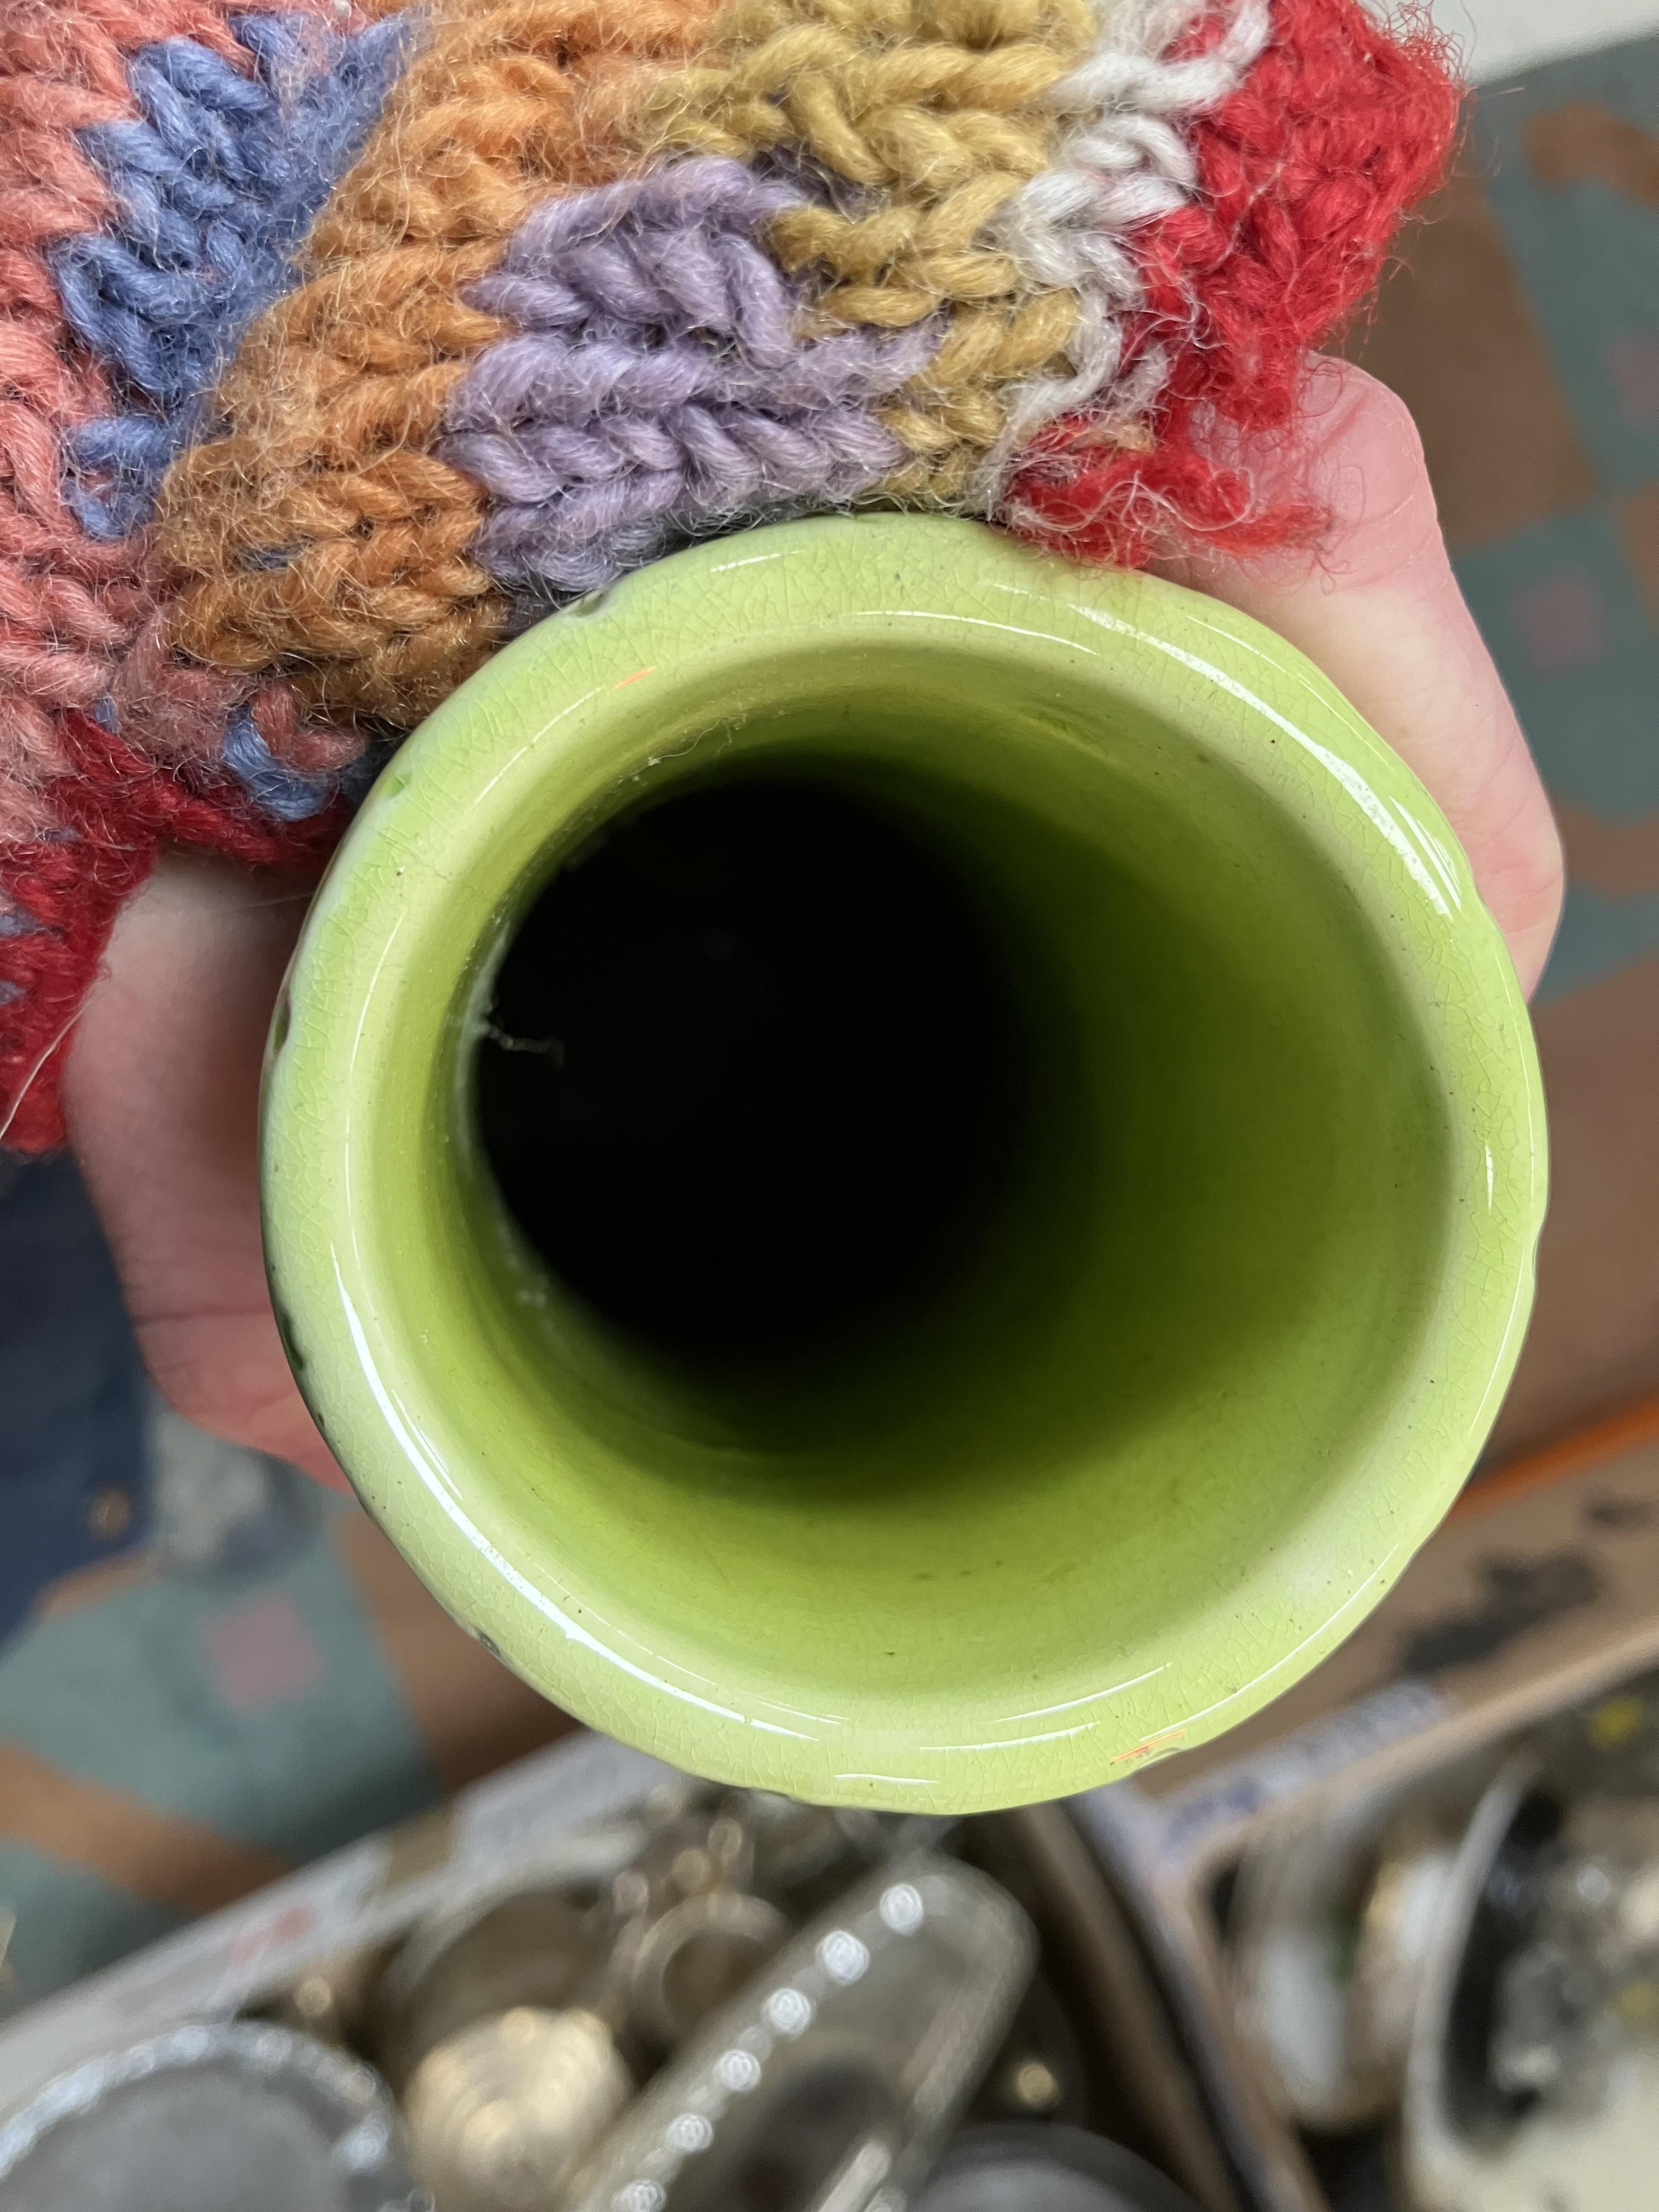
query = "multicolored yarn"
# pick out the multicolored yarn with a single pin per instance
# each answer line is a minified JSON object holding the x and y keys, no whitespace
{"x":320,"y":533}
{"x":215,"y":185}
{"x":1300,"y":176}
{"x":335,"y":345}
{"x":69,"y":604}
{"x":931,"y":115}
{"x":1121,"y":165}
{"x":664,"y":384}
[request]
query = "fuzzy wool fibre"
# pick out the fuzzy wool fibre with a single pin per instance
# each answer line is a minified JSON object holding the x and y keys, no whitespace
{"x":340,"y":341}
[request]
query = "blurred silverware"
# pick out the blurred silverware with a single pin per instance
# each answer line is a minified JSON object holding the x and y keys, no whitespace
{"x":1045,"y":2169}
{"x":537,"y":1947}
{"x":220,"y":2115}
{"x":1525,"y":2087}
{"x":833,"y":2079}
{"x":699,"y":1953}
{"x":501,"y":2113}
{"x":1328,"y":1937}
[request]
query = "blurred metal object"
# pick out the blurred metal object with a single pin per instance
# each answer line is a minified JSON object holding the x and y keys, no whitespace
{"x":828,"y":2086}
{"x":1033,"y":2085}
{"x":1045,"y":2169}
{"x":501,"y":2113}
{"x":222,"y":2116}
{"x":1133,"y":2037}
{"x":537,"y":1947}
{"x":1529,"y":2083}
{"x":1041,"y":2072}
{"x":1329,"y":1932}
{"x":1416,"y":1855}
{"x":1583,"y":1987}
{"x":1609,"y":1747}
{"x":700,"y":1846}
{"x":567,"y":1815}
{"x":796,"y":1845}
{"x":688,"y":1853}
{"x":651,"y":1950}
{"x":700,"y":1954}
{"x":331,"y":2000}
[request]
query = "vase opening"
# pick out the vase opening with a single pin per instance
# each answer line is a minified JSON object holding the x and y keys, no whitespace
{"x":757,"y":1077}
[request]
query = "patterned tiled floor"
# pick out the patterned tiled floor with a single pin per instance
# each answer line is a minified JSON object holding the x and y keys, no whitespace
{"x":215,"y":1670}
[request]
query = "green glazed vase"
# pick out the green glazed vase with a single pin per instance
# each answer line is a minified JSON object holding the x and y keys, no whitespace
{"x":1214,"y":1339}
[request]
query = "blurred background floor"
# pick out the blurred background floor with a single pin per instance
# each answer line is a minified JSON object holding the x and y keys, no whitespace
{"x":1496,"y":38}
{"x":1522,"y":328}
{"x":214,"y":1671}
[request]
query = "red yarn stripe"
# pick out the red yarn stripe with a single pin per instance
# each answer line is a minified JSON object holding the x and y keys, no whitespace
{"x":1304,"y":172}
{"x":119,"y":808}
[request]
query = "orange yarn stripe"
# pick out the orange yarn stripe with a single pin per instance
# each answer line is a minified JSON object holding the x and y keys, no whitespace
{"x":317,"y":534}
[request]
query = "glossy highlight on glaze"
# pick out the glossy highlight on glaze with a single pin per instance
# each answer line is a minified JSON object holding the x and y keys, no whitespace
{"x":1221,"y":1353}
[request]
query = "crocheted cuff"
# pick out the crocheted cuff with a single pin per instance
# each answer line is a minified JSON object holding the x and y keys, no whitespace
{"x":337,"y":346}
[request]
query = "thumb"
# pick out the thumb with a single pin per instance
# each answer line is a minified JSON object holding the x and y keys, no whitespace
{"x":1376,"y":605}
{"x":161,"y":1096}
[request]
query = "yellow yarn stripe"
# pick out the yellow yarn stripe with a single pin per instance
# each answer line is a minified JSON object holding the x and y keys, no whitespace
{"x":317,"y":534}
{"x":932,"y":108}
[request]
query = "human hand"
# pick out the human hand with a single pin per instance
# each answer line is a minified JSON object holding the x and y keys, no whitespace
{"x":162,"y":1097}
{"x":163,"y":1081}
{"x":1376,"y":606}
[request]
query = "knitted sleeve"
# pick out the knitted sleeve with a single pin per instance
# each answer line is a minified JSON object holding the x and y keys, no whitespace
{"x":337,"y":346}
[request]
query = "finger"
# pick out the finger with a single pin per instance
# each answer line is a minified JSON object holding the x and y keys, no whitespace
{"x":1377,"y":607}
{"x":161,"y":1096}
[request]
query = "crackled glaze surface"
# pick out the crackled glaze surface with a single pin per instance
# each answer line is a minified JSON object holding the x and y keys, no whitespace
{"x":1070,"y":1528}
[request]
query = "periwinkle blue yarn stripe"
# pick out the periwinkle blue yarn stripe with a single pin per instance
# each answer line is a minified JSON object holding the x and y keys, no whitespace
{"x":269,"y":782}
{"x":658,"y":386}
{"x":216,"y":183}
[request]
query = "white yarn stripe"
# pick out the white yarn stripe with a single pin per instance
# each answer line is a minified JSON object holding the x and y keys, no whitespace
{"x":1123,"y":161}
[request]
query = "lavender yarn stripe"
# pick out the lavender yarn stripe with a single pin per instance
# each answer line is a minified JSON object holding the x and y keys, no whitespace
{"x":659,"y":385}
{"x":216,"y":183}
